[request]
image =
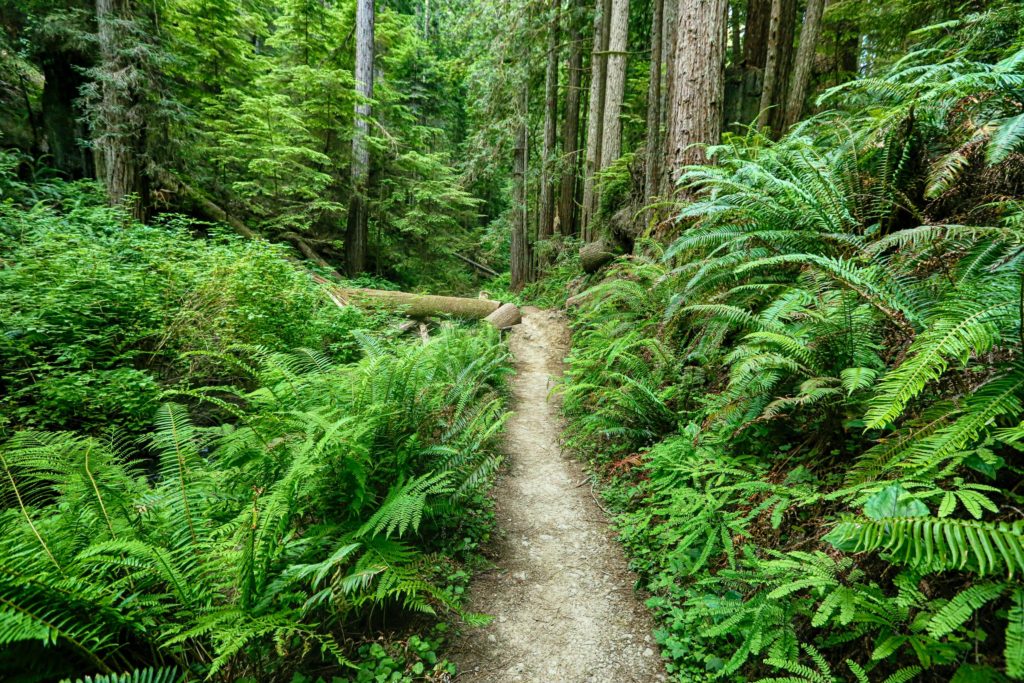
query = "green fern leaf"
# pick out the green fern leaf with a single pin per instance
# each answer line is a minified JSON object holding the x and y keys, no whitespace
{"x":1007,"y":138}
{"x":150,"y":675}
{"x":932,"y":542}
{"x":1014,"y":651}
{"x":957,"y":611}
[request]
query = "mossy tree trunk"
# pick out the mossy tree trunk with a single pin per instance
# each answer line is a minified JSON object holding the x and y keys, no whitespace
{"x":519,"y":257}
{"x":652,"y":165}
{"x":546,"y":226}
{"x":615,"y":86}
{"x":118,"y":122}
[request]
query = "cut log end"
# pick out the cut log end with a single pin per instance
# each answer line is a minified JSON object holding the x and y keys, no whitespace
{"x":594,"y":255}
{"x":505,"y":316}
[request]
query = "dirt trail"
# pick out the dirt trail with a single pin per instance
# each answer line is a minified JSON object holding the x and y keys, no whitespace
{"x":561,"y":594}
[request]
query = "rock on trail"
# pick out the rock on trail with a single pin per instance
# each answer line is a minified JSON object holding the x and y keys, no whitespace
{"x":560,"y":593}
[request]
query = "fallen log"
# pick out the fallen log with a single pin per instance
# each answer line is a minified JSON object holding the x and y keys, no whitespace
{"x":593,"y":255}
{"x":417,"y":305}
{"x":576,"y":299}
{"x":307,"y":250}
{"x":200,"y":202}
{"x":505,"y":316}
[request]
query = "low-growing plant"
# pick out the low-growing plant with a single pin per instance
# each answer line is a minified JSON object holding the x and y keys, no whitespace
{"x":808,"y":404}
{"x":321,"y":501}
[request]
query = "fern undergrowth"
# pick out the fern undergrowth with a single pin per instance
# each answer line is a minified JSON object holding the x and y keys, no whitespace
{"x":298,"y":515}
{"x":808,"y":406}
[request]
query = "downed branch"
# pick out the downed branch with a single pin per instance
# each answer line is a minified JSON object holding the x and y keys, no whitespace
{"x":307,"y":250}
{"x":479,"y":266}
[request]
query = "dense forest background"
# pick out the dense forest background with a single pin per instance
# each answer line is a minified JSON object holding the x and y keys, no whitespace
{"x":789,"y":235}
{"x":245,"y":113}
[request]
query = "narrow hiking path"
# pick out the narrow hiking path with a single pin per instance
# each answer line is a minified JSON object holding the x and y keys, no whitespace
{"x":560,"y":593}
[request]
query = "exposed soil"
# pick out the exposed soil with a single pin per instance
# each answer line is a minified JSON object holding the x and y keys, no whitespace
{"x":560,"y":593}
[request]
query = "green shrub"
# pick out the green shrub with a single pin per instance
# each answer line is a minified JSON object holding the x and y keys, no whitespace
{"x":95,"y":311}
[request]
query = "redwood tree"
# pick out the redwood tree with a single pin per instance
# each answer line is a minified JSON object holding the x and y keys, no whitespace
{"x":651,"y":163}
{"x":547,"y":178}
{"x":698,"y":81}
{"x":570,"y":129}
{"x":119,"y":124}
{"x":357,"y":235}
{"x":519,"y":257}
{"x":595,"y":115}
{"x":615,"y":86}
{"x":804,"y":63}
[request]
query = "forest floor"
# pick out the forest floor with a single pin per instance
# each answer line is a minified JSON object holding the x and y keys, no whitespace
{"x":560,"y":591}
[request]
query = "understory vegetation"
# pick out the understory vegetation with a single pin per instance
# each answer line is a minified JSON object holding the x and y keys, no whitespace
{"x":807,"y":405}
{"x":211,"y":470}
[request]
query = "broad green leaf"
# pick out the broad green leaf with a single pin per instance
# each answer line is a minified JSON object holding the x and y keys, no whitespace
{"x":894,"y":501}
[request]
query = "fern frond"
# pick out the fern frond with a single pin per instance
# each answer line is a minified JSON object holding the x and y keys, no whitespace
{"x":148,"y":675}
{"x":1014,"y":649}
{"x":981,"y":547}
{"x":403,"y":509}
{"x":961,"y":329}
{"x":1007,"y":138}
{"x":958,"y":610}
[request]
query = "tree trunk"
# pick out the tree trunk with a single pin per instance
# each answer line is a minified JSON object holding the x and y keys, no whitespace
{"x":652,"y":173}
{"x":570,"y":131}
{"x":593,"y":255}
{"x":417,"y":305}
{"x":771,"y":66}
{"x":735,"y":50}
{"x":120,"y":123}
{"x":546,"y":227}
{"x":595,"y":116}
{"x":809,"y":35}
{"x":787,"y":39}
{"x":61,"y":127}
{"x":519,"y":257}
{"x":357,"y":234}
{"x":698,"y":81}
{"x":615,"y":86}
{"x":755,"y":37}
{"x":846,"y":64}
{"x":669,"y":47}
{"x":778,"y":66}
